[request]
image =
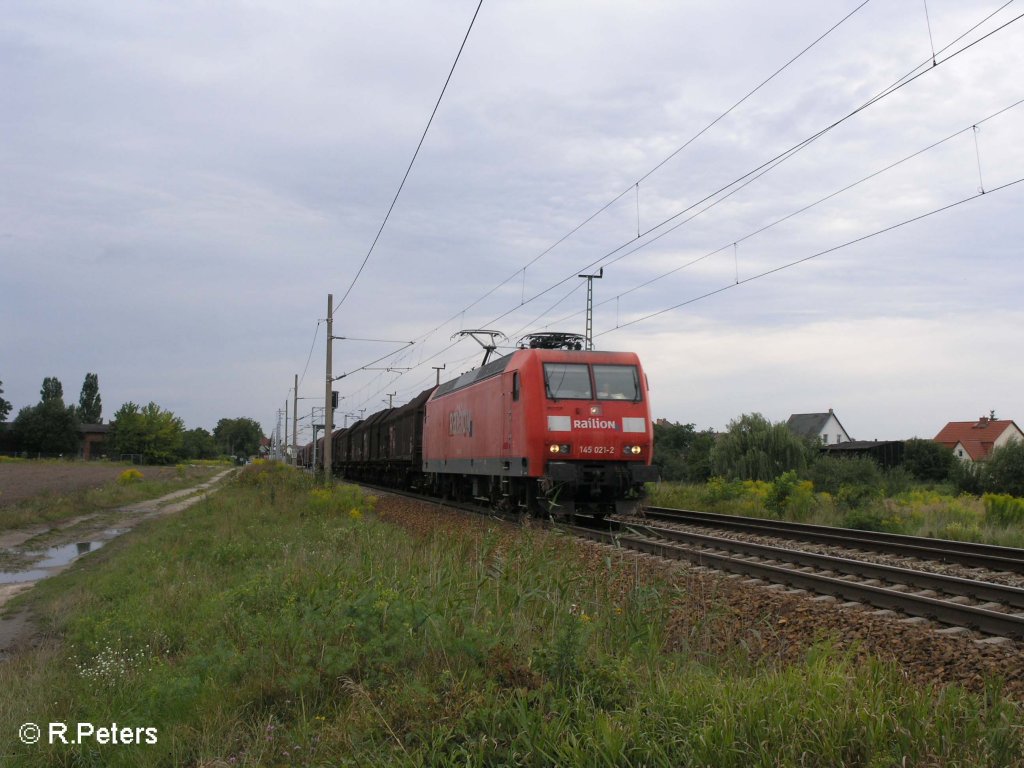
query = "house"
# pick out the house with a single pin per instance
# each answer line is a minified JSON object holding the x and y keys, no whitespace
{"x":975,"y":440}
{"x":93,"y":440}
{"x":821,"y":426}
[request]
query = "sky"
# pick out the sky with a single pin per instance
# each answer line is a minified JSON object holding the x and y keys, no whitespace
{"x":183,"y":184}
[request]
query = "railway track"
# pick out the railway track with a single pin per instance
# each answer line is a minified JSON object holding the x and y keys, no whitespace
{"x":989,"y":608}
{"x":965,"y":553}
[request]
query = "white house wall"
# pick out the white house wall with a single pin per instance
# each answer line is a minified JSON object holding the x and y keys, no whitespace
{"x":833,"y":432}
{"x":1010,"y":433}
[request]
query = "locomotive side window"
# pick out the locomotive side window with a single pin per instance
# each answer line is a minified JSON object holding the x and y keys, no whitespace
{"x":617,"y":382}
{"x":567,"y":381}
{"x":515,"y":385}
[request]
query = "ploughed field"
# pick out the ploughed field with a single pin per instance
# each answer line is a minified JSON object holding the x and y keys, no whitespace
{"x":20,"y":480}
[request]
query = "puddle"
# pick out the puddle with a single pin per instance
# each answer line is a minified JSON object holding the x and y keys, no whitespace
{"x":57,"y":557}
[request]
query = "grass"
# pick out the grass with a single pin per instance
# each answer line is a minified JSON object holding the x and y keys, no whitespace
{"x":53,"y":507}
{"x":991,"y":519}
{"x":280,"y":624}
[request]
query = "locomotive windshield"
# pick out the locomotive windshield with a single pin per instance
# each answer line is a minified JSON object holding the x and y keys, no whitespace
{"x":571,"y":381}
{"x":567,"y":381}
{"x":617,"y":382}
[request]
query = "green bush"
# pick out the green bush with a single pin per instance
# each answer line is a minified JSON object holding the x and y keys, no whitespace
{"x":927,"y":460}
{"x":831,"y":474}
{"x":897,"y":480}
{"x":1003,"y":510}
{"x":720,"y":489}
{"x":858,"y":496}
{"x":966,"y":477}
{"x":789,"y":497}
{"x":1004,"y":470}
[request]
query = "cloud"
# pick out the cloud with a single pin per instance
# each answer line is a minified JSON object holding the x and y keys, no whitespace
{"x":183,"y":185}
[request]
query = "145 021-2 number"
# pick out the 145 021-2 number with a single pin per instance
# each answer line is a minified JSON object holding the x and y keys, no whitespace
{"x":597,"y":450}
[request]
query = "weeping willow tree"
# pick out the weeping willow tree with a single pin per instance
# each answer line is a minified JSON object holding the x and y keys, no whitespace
{"x":756,"y":449}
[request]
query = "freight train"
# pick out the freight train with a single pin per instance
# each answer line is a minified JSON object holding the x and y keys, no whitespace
{"x":545,"y":430}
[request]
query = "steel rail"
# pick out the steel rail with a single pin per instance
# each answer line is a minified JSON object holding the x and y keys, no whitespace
{"x":950,"y":585}
{"x":965,"y":553}
{"x":981,"y":619}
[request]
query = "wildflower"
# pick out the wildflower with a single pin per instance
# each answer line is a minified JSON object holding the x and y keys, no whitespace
{"x":129,"y":476}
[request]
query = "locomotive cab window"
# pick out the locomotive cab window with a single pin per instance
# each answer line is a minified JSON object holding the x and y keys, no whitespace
{"x":567,"y":381}
{"x":617,"y":382}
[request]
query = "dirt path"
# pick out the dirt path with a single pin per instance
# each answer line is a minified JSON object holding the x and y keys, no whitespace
{"x":29,"y":555}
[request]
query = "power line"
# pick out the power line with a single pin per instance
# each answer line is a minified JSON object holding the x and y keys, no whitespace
{"x":633,"y":185}
{"x":766,"y":166}
{"x":310,"y":355}
{"x":414,"y":156}
{"x":785,"y":218}
{"x":814,"y":256}
{"x":755,"y":90}
{"x":749,"y":177}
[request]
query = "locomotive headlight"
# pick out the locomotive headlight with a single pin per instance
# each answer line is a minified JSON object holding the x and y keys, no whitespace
{"x":636,"y":449}
{"x":553,"y":448}
{"x":633,"y":449}
{"x":563,"y":448}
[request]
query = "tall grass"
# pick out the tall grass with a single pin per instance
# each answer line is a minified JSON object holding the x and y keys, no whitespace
{"x":282,"y":624}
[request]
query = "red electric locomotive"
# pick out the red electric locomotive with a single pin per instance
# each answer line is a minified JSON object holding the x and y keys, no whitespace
{"x":549,"y":430}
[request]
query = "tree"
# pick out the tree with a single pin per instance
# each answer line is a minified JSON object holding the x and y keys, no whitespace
{"x":151,"y":432}
{"x":238,"y":437}
{"x":855,"y":481}
{"x":682,"y":453}
{"x":755,"y":449}
{"x":198,"y":444}
{"x":90,"y":406}
{"x":52,"y":390}
{"x":5,"y":405}
{"x":49,"y":427}
{"x":1004,"y":470}
{"x":927,"y":460}
{"x":125,"y":436}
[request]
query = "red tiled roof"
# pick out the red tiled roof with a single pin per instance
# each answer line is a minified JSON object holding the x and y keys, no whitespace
{"x":977,"y":437}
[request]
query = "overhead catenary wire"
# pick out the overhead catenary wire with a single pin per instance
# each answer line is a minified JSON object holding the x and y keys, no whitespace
{"x":411,"y":162}
{"x":626,"y":191}
{"x":648,"y":174}
{"x":788,"y":216}
{"x":767,"y":165}
{"x":310,"y":355}
{"x":833,"y":249}
{"x":910,"y":77}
